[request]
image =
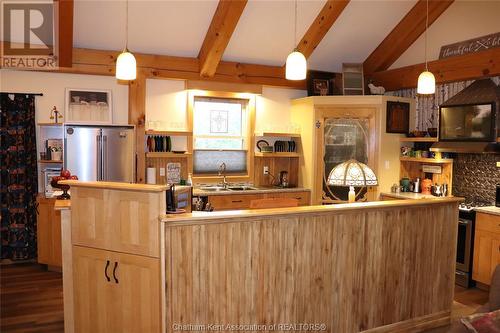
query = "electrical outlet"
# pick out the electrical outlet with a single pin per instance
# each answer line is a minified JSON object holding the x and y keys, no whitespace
{"x":266,"y":170}
{"x":162,"y":172}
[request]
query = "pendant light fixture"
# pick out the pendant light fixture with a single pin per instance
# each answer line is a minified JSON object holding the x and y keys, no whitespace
{"x":126,"y":66}
{"x":296,"y":63}
{"x":426,"y":81}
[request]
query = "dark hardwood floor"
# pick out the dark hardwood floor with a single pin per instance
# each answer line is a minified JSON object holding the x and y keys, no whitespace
{"x":31,"y":299}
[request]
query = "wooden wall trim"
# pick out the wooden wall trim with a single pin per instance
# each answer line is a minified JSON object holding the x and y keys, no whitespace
{"x":459,"y":68}
{"x":321,"y":25}
{"x":404,"y":35}
{"x":219,"y":34}
{"x":137,"y":117}
{"x":223,"y":86}
{"x":64,"y":15}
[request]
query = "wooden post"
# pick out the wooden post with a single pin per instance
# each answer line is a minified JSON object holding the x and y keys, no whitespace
{"x":137,"y":117}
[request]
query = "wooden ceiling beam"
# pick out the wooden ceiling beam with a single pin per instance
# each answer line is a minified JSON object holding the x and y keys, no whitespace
{"x":406,"y":32}
{"x":322,"y":23}
{"x":63,"y":15}
{"x":88,"y":61}
{"x":466,"y":67}
{"x":219,"y":33}
{"x":102,"y":62}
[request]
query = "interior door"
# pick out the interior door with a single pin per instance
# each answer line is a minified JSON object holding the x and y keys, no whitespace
{"x":345,"y":133}
{"x":118,"y":154}
{"x":95,"y":292}
{"x":81,"y":152}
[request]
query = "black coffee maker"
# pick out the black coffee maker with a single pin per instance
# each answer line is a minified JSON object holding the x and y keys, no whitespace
{"x":497,"y":201}
{"x":170,"y":196}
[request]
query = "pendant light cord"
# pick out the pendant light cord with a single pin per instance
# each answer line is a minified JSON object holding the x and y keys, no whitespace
{"x":295,"y":29}
{"x":126,"y":27}
{"x":426,"y":27}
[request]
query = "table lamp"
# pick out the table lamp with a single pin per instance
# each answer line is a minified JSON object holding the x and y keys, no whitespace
{"x":352,"y":173}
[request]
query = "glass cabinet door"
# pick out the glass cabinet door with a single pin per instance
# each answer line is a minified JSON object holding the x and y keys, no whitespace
{"x":344,"y":139}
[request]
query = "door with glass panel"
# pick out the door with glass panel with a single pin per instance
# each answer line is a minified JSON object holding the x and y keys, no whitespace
{"x":345,"y":134}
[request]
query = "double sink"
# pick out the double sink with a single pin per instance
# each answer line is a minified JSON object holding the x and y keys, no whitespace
{"x":218,"y":188}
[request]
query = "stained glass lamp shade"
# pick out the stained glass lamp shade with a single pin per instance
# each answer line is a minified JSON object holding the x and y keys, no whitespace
{"x":352,"y":173}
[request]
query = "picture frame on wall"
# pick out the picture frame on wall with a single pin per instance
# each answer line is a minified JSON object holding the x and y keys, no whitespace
{"x":88,"y":106}
{"x":320,"y":83}
{"x":397,"y":117}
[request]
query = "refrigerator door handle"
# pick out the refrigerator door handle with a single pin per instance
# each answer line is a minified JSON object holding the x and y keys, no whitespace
{"x":105,"y":157}
{"x":98,"y":160}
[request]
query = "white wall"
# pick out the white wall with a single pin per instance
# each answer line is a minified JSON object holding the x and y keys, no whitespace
{"x":273,"y":109}
{"x":53,"y":86}
{"x":166,"y":104}
{"x":464,"y":19}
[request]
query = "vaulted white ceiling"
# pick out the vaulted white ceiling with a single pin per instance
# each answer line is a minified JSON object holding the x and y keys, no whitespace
{"x":265,"y":31}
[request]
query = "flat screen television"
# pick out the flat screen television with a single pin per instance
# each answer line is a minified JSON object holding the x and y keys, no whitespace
{"x":467,"y":123}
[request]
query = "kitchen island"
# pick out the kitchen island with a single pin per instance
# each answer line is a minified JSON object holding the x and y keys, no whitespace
{"x":382,"y":266}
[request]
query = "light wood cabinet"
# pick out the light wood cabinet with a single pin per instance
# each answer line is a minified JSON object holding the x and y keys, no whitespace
{"x":486,"y":247}
{"x":117,"y":220}
{"x":242,"y":201}
{"x":115,"y":292}
{"x":48,"y":233}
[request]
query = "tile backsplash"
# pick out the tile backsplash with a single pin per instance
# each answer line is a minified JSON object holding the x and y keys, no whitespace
{"x":475,"y":176}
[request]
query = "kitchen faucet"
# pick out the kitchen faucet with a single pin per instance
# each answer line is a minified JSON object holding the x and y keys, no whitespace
{"x":222,"y":173}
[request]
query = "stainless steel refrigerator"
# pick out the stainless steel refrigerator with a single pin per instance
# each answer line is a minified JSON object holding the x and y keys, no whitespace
{"x":100,"y":152}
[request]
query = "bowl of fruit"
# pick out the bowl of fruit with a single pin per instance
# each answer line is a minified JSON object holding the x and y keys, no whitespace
{"x":65,"y":175}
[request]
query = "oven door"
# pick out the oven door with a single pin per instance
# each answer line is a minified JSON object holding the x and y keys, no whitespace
{"x":464,"y":244}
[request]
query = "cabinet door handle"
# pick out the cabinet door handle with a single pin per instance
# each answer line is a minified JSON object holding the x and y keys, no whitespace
{"x":114,"y":272}
{"x":234,"y":201}
{"x":106,"y":271}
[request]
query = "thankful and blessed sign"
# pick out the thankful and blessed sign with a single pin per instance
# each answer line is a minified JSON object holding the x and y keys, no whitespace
{"x":470,"y":46}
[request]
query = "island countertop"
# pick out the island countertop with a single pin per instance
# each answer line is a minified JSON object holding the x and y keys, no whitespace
{"x":207,"y":217}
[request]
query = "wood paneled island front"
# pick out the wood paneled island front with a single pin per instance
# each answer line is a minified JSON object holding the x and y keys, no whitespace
{"x":383,"y":266}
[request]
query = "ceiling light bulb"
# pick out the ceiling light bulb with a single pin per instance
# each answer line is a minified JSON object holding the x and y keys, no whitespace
{"x":296,"y":66}
{"x":126,"y":66}
{"x":426,"y":83}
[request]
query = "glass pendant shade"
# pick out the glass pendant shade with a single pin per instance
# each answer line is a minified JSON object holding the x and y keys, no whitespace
{"x":352,"y":173}
{"x":296,"y":66}
{"x":126,"y":66}
{"x":426,"y":83}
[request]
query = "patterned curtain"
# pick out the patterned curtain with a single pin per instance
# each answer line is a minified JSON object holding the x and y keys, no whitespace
{"x":427,"y":106}
{"x":18,"y":176}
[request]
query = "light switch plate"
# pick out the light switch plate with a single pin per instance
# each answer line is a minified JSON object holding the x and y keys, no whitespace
{"x":162,"y":172}
{"x":266,"y":170}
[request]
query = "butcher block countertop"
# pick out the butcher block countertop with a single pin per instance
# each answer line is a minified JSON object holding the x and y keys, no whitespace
{"x":408,"y":195}
{"x":116,"y":186}
{"x":488,"y":210}
{"x":259,"y":190}
{"x":230,"y":215}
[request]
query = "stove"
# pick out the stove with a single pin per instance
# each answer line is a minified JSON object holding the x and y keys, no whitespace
{"x":465,"y":241}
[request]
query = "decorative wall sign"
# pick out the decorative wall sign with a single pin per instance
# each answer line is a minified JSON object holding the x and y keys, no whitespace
{"x":398,"y":117}
{"x":320,"y":83}
{"x":470,"y":46}
{"x":173,"y":173}
{"x":89,"y":106}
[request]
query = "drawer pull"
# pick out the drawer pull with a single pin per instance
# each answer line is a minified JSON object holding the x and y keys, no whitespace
{"x":299,"y":198}
{"x":106,"y":271}
{"x":235,"y":201}
{"x":114,"y":272}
